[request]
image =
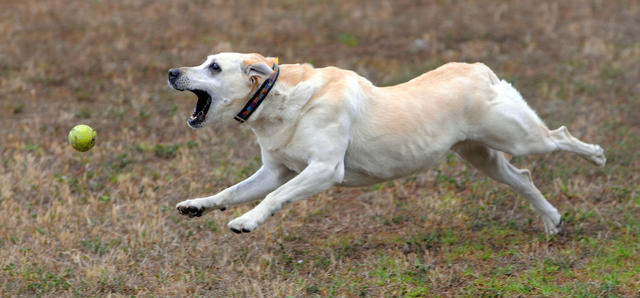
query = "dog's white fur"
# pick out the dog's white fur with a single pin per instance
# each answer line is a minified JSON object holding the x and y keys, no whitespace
{"x":321,"y":127}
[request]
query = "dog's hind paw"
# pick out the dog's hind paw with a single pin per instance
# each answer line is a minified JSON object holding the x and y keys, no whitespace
{"x":598,"y":159}
{"x":552,"y":228}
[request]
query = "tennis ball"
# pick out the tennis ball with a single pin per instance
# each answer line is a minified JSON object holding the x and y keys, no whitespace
{"x":82,"y":137}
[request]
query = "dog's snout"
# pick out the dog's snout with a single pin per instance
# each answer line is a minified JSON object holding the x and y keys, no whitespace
{"x":174,"y":73}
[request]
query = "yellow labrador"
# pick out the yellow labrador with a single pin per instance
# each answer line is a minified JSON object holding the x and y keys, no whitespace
{"x":320,"y":127}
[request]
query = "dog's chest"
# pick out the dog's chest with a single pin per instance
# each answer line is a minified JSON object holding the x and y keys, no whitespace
{"x":295,"y":161}
{"x":281,"y":149}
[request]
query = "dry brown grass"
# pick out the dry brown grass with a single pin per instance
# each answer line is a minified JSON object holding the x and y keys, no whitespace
{"x":104,"y":223}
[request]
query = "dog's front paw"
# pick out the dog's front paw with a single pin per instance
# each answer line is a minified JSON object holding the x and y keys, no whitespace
{"x":190,"y":208}
{"x":243,"y":224}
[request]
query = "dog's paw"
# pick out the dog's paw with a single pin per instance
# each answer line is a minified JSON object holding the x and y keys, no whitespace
{"x":243,"y":224}
{"x":190,"y":208}
{"x":598,"y":158}
{"x":551,"y":228}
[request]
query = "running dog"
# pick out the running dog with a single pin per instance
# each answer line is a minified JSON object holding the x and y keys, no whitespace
{"x":320,"y":127}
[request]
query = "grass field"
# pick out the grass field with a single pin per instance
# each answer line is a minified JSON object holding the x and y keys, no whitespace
{"x":104,"y":222}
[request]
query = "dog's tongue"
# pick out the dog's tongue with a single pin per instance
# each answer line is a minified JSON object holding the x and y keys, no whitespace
{"x":201,"y":108}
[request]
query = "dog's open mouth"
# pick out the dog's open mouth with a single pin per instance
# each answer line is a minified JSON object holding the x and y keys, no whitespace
{"x":199,"y":115}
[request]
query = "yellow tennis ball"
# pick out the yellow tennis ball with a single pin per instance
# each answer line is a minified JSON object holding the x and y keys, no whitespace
{"x":82,"y":137}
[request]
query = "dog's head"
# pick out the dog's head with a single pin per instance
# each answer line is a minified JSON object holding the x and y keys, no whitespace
{"x":223,"y":84}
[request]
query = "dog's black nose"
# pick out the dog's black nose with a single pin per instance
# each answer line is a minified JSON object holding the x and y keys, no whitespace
{"x":174,"y":73}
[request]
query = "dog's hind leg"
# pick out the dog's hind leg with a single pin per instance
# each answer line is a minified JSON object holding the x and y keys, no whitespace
{"x":495,"y":165}
{"x":508,"y":124}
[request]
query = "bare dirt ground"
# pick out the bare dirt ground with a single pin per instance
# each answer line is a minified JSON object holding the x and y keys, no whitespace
{"x":103,"y":222}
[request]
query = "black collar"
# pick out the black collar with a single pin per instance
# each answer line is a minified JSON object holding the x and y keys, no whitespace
{"x":259,"y":96}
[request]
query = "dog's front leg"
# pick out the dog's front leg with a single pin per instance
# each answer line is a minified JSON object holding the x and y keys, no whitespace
{"x":265,"y":180}
{"x":315,"y":178}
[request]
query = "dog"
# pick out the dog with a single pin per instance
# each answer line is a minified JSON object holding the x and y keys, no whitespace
{"x":320,"y":127}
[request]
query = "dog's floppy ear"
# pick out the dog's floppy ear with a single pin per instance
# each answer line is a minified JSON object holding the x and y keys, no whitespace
{"x":258,"y":67}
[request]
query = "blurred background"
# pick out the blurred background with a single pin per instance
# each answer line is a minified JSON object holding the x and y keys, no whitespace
{"x":103,"y":222}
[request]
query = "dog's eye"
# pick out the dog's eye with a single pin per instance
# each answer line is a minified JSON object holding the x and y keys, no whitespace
{"x":215,"y":67}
